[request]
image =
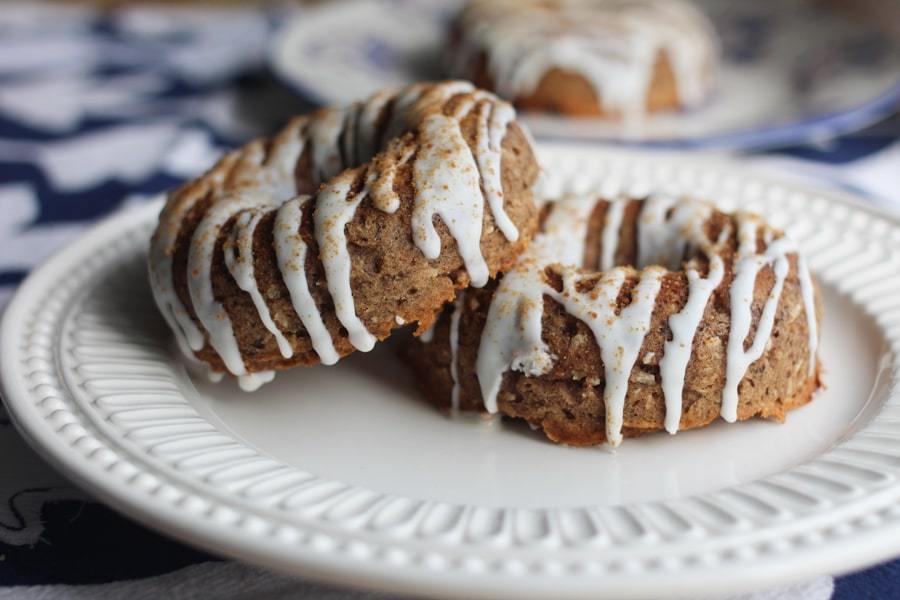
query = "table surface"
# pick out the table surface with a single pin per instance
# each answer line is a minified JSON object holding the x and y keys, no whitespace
{"x":101,"y":111}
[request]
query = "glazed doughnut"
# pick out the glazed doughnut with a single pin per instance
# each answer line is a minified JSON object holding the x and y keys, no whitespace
{"x":628,"y":316}
{"x":347,"y":224}
{"x":611,"y":58}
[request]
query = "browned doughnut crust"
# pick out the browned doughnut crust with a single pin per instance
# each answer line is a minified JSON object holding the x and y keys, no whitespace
{"x":567,"y":402}
{"x":392,"y":282}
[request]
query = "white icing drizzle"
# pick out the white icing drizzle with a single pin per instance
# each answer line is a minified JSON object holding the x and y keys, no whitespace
{"x":188,"y":335}
{"x":210,"y":311}
{"x":684,"y":325}
{"x":453,"y":182}
{"x":614,"y":46}
{"x":332,"y":213}
{"x":609,"y":243}
{"x":420,"y":96}
{"x":401,"y":106}
{"x":619,"y":337}
{"x":281,"y":163}
{"x":239,"y":261}
{"x":493,"y":119}
{"x":748,"y":263}
{"x":367,"y":125}
{"x":511,"y":338}
{"x":447,"y":181}
{"x":380,"y":178}
{"x":667,"y":230}
{"x":248,"y":171}
{"x":323,"y":134}
{"x":290,"y":252}
{"x":661,"y":239}
{"x":566,"y":229}
{"x":439,"y":95}
{"x":162,"y":255}
{"x":454,"y":349}
{"x":250,"y":382}
{"x":809,"y":306}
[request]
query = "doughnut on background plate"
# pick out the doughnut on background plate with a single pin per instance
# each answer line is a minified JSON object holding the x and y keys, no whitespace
{"x":823,"y":74}
{"x":343,"y":474}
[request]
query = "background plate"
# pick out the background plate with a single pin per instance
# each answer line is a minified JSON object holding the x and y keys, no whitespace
{"x":344,"y":474}
{"x":790,"y":74}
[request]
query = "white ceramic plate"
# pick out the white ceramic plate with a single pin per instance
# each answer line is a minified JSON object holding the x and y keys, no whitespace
{"x":343,"y":473}
{"x":789,"y":74}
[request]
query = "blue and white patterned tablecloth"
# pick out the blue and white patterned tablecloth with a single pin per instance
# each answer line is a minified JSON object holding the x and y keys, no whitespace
{"x":98,"y":112}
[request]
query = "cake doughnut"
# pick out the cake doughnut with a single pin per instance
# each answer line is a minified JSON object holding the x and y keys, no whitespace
{"x":347,"y":224}
{"x":631,"y":316}
{"x":609,"y":58}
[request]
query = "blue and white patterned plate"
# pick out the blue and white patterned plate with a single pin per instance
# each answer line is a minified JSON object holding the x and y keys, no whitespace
{"x":789,"y":74}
